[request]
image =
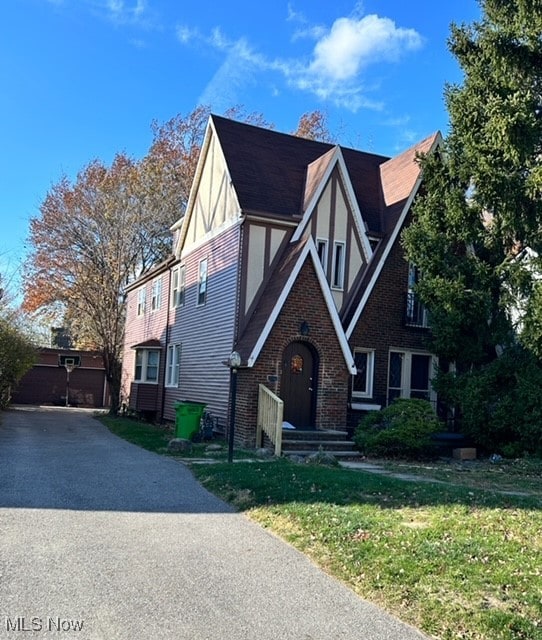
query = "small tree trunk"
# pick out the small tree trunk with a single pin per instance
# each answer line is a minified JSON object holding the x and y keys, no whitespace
{"x":113,"y":374}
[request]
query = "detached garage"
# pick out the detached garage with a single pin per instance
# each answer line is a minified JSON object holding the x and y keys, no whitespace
{"x":65,"y":377}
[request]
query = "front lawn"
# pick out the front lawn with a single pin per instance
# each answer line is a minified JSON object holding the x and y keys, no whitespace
{"x":145,"y":435}
{"x":521,"y":475}
{"x":455,"y":562}
{"x":155,"y":438}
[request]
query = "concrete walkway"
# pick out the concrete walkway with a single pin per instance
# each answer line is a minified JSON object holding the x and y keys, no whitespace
{"x":100,"y":534}
{"x":369,"y":467}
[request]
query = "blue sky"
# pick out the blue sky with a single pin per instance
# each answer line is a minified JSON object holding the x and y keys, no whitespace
{"x":84,"y":79}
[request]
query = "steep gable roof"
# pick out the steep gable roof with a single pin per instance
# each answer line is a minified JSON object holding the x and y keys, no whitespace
{"x":276,"y":294}
{"x":401,"y":179}
{"x":315,"y":175}
{"x":270,"y":170}
{"x":399,"y":174}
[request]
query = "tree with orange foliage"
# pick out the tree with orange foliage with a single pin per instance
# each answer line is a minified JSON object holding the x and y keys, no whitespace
{"x":96,"y":235}
{"x":167,"y":171}
{"x":91,"y":239}
{"x":313,"y":126}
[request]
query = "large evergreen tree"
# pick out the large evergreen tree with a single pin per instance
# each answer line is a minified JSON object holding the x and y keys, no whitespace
{"x":476,"y":235}
{"x":481,"y":205}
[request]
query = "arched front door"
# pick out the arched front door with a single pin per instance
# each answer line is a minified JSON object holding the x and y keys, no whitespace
{"x":298,"y":385}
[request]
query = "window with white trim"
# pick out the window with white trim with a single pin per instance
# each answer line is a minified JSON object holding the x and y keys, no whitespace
{"x":141,"y":300}
{"x":410,"y":374}
{"x":321,"y":248}
{"x":178,"y":284}
{"x":173,"y":361}
{"x":202,"y":282}
{"x":416,"y":313}
{"x":337,"y":275}
{"x":146,"y":365}
{"x":362,"y":382}
{"x":156,"y":294}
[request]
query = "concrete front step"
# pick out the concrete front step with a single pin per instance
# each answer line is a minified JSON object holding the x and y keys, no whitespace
{"x":314,"y":445}
{"x":303,"y":442}
{"x":313,"y":434}
{"x":337,"y":454}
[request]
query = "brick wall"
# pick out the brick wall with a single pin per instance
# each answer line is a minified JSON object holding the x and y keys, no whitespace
{"x":304,"y":303}
{"x":381,"y":325}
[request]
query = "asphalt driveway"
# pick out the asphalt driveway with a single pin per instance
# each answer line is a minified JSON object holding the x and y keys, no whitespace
{"x":102,"y":540}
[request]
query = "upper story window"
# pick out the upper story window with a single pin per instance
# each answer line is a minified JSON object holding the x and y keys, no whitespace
{"x":415,"y":313}
{"x":156,"y":295}
{"x":321,"y":248}
{"x":337,"y":275}
{"x":202,"y":282}
{"x":141,"y":301}
{"x":178,"y":284}
{"x":362,"y":382}
{"x":146,"y":365}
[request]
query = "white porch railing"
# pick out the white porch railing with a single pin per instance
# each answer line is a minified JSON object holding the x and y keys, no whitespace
{"x":270,"y":411}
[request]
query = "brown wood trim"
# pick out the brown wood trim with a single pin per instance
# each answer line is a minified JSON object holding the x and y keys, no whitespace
{"x":314,"y":220}
{"x":243,"y":272}
{"x":332,"y":217}
{"x":268,"y":272}
{"x":352,"y":235}
{"x":267,"y":250}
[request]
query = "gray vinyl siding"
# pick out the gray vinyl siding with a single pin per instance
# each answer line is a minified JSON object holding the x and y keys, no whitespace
{"x":206,"y":332}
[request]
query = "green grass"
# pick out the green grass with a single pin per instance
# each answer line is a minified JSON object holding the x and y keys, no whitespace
{"x":519,"y":475}
{"x":156,"y":437}
{"x":458,"y":562}
{"x":454,"y":562}
{"x":145,"y":435}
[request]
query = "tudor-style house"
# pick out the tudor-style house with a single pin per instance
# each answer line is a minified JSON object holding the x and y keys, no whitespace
{"x":289,"y":253}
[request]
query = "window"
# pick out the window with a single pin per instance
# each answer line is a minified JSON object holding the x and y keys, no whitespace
{"x":156,"y":294}
{"x":321,"y":247}
{"x":337,"y":277}
{"x":202,"y":282}
{"x":141,"y":297}
{"x":410,"y":374}
{"x":362,"y":382}
{"x":173,"y":361}
{"x":146,"y":366}
{"x":178,"y":280}
{"x":416,"y":313}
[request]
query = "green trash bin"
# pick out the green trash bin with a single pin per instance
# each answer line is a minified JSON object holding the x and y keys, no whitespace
{"x":188,"y":419}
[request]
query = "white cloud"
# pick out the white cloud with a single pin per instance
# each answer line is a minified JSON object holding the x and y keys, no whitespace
{"x":186,"y":34}
{"x":123,"y":12}
{"x":398,"y":121}
{"x":306,"y":30}
{"x":293,"y":15}
{"x":118,"y":12}
{"x":224,"y":89}
{"x":314,"y":32}
{"x":335,"y":69}
{"x":237,"y":71}
{"x":351,"y":45}
{"x":345,"y":51}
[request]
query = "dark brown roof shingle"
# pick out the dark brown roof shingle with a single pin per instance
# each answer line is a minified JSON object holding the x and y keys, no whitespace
{"x":269,"y":170}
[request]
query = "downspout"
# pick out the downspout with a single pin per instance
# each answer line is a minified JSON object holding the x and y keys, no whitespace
{"x":167,"y":341}
{"x":239,"y":282}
